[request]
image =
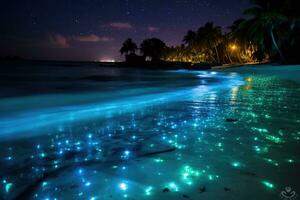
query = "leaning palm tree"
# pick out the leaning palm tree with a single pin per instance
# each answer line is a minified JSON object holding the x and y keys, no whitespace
{"x":238,"y":37}
{"x":210,"y":36}
{"x":129,"y":47}
{"x":190,"y":38}
{"x":265,"y":20}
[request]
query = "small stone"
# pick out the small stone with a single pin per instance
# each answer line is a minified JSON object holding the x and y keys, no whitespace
{"x":72,"y":186}
{"x":166,"y":190}
{"x":185,"y":196}
{"x":231,"y":120}
{"x":226,"y":189}
{"x":247,"y":173}
{"x":202,"y":189}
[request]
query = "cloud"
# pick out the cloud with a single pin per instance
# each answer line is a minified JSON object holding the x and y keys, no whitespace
{"x":121,"y":25}
{"x":59,"y":41}
{"x":91,"y":38}
{"x":152,"y":29}
{"x":56,"y":41}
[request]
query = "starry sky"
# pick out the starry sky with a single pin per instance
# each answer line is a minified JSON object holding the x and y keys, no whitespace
{"x":96,"y":29}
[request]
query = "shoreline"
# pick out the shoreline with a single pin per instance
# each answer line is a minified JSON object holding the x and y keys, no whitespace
{"x":162,"y":65}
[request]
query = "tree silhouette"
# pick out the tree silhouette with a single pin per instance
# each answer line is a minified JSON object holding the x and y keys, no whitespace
{"x":264,"y":24}
{"x":128,"y":47}
{"x":190,"y":38}
{"x":271,"y":30}
{"x":204,"y":42}
{"x":153,"y":48}
{"x":210,"y":37}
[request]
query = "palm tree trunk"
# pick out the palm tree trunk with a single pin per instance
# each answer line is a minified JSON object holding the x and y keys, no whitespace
{"x":217,"y":53}
{"x":276,"y":45}
{"x":212,"y":56}
{"x":229,"y":57}
{"x":240,"y":58}
{"x":292,"y":26}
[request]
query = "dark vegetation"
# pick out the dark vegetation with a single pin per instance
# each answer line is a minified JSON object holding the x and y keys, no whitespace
{"x":270,"y":32}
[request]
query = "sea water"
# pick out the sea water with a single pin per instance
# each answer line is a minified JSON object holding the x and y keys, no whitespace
{"x":110,"y":133}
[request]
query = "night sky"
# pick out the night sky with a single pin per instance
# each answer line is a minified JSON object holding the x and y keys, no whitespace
{"x":95,"y":29}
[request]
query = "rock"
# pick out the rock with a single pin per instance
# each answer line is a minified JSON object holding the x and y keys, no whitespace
{"x":166,"y":190}
{"x":226,"y":189}
{"x":231,"y":120}
{"x":202,"y":189}
{"x":185,"y":196}
{"x":73,"y":186}
{"x":247,"y":173}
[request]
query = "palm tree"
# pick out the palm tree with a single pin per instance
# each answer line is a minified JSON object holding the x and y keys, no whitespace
{"x":203,"y":42}
{"x":190,"y":38}
{"x":210,"y":36}
{"x":129,"y":47}
{"x":264,"y":22}
{"x":153,"y":48}
{"x":238,"y":37}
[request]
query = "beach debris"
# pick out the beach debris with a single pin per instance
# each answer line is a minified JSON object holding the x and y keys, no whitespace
{"x":202,"y":189}
{"x":73,"y":186}
{"x":231,"y":120}
{"x":247,"y":173}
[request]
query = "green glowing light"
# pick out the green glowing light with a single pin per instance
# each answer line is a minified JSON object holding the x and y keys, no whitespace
{"x":269,"y":160}
{"x":44,"y":184}
{"x":236,"y":164}
{"x":253,"y":115}
{"x":212,"y":177}
{"x":257,"y":149}
{"x":261,"y":130}
{"x":185,"y":175}
{"x":297,"y":138}
{"x":268,"y":184}
{"x":290,"y":161}
{"x":158,"y":160}
{"x":148,"y":190}
{"x":274,"y":139}
{"x":43,"y":155}
{"x":267,"y":116}
{"x":188,"y":173}
{"x":280,"y":132}
{"x":261,"y":149}
{"x":173,"y":186}
{"x":8,"y":187}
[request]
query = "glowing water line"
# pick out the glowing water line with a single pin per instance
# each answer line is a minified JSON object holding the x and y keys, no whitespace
{"x":29,"y":121}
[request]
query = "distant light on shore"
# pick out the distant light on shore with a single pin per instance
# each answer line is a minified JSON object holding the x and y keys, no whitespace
{"x":107,"y":60}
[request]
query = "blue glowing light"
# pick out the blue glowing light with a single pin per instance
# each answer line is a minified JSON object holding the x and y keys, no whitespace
{"x":87,"y":184}
{"x":123,"y":186}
